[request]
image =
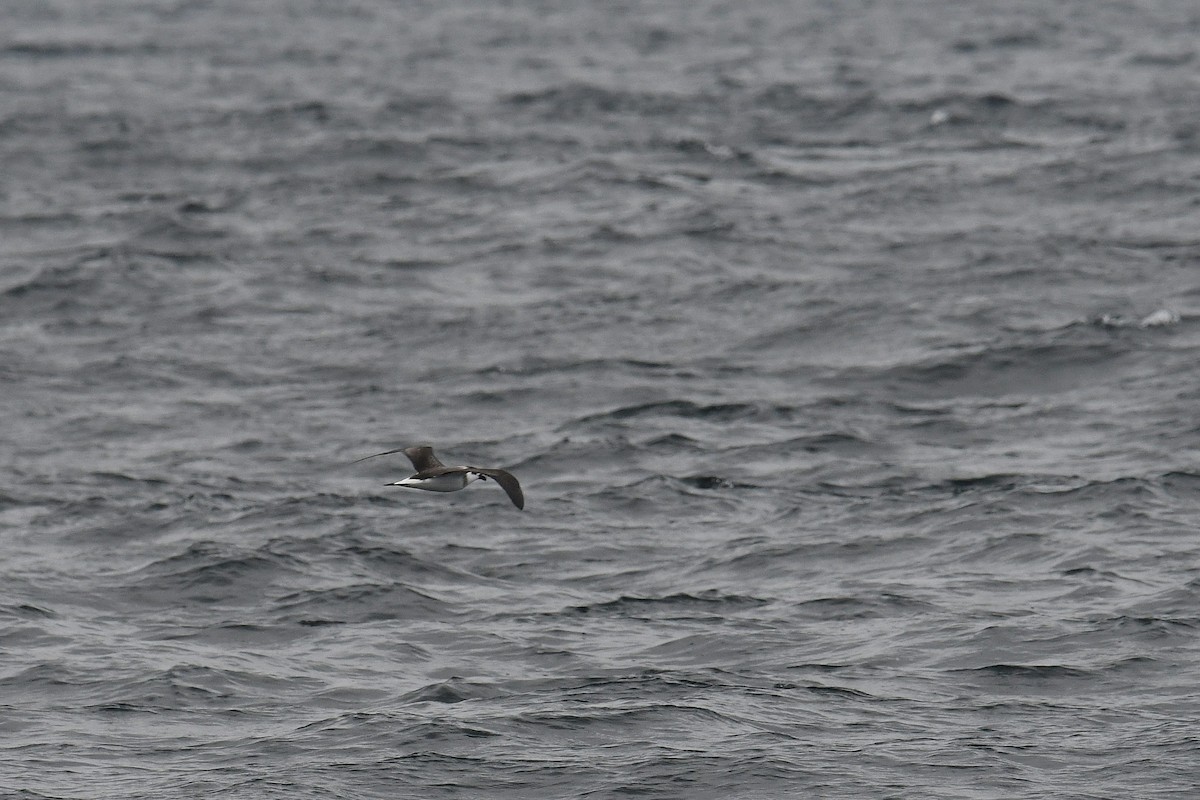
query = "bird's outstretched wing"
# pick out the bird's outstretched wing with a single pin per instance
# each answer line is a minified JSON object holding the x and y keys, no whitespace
{"x":508,"y":482}
{"x":421,"y":456}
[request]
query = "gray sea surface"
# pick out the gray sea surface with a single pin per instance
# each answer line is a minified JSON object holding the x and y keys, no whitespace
{"x":847,"y":353}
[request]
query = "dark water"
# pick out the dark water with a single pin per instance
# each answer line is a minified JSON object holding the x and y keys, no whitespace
{"x":847,"y":353}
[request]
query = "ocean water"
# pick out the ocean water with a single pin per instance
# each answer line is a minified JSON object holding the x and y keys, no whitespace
{"x":847,"y":353}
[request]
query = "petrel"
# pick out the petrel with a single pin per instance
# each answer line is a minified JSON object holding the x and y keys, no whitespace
{"x":434,"y":476}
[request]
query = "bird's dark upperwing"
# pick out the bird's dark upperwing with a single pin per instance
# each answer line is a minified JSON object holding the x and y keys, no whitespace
{"x":421,"y":456}
{"x":508,"y":483}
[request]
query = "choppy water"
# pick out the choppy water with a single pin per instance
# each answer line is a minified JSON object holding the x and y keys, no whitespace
{"x":847,"y":353}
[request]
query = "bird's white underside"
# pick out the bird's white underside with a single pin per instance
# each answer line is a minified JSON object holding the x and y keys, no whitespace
{"x":442,"y":483}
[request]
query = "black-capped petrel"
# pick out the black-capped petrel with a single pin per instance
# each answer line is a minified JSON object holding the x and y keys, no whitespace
{"x":434,"y":476}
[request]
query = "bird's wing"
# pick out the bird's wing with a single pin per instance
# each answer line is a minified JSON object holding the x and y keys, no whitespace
{"x":421,"y":456}
{"x":377,"y":455}
{"x":508,"y":483}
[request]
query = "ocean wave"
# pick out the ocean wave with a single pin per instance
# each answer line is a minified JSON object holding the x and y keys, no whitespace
{"x":357,"y":603}
{"x":1012,"y":370}
{"x":454,"y":690}
{"x":680,"y":605}
{"x":185,"y":687}
{"x":209,"y":572}
{"x":582,"y":100}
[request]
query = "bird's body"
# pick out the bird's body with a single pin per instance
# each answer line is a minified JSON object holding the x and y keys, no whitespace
{"x":450,"y":482}
{"x":434,"y":476}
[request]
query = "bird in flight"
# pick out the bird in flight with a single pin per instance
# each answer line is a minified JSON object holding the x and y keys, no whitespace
{"x":434,"y":476}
